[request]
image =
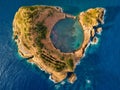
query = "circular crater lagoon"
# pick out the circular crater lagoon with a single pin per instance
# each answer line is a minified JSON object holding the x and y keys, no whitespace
{"x":67,"y":35}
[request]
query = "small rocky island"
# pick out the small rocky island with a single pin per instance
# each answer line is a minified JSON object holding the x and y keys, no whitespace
{"x":32,"y":26}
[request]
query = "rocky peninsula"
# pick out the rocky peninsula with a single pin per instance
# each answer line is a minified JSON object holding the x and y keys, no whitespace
{"x":32,"y":26}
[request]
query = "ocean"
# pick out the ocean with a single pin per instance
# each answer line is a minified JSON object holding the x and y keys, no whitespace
{"x":99,"y":69}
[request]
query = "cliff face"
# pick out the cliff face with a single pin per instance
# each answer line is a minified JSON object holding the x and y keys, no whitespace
{"x":32,"y":27}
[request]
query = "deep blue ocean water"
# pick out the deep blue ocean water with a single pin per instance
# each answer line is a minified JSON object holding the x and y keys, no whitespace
{"x":98,"y":70}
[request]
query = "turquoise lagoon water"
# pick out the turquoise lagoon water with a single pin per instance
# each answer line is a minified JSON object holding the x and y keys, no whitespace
{"x":98,"y":70}
{"x":67,"y":35}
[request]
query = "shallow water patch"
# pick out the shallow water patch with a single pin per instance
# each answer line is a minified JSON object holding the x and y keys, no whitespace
{"x":67,"y":35}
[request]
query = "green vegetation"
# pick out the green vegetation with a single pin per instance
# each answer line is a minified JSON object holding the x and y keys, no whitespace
{"x":16,"y":37}
{"x":52,"y":62}
{"x":90,"y":17}
{"x":70,"y":63}
{"x":32,"y":12}
{"x":41,"y":31}
{"x":29,"y":13}
{"x":50,"y":14}
{"x":32,"y":8}
{"x":62,"y":57}
{"x":38,"y":42}
{"x":87,"y":20}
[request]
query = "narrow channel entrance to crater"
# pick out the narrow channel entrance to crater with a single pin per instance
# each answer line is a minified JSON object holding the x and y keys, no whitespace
{"x":67,"y":35}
